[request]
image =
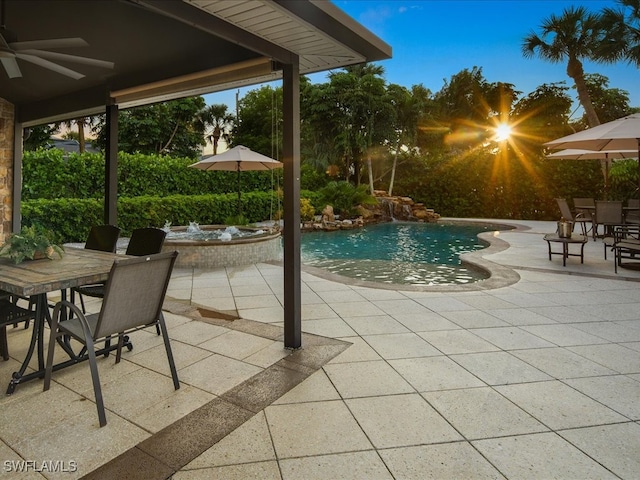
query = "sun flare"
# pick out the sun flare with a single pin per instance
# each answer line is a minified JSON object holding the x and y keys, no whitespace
{"x":503,"y":132}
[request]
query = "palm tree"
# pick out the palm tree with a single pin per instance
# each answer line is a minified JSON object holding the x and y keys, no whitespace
{"x":623,"y":40}
{"x":216,"y":116}
{"x":574,"y":36}
{"x":80,"y":123}
{"x":359,"y":99}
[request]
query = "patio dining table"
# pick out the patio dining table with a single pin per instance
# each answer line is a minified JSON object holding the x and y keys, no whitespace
{"x":36,"y":278}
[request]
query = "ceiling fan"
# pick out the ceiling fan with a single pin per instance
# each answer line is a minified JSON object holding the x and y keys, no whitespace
{"x":36,"y":52}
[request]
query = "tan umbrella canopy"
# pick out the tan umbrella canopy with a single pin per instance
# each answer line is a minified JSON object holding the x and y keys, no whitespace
{"x":618,"y":135}
{"x":605,"y":157}
{"x":577,"y":154}
{"x":237,"y":159}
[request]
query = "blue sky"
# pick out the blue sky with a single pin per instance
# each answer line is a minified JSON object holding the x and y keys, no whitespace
{"x":432,"y":40}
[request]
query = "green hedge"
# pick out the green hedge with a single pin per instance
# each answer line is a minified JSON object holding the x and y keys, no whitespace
{"x":51,"y":174}
{"x":71,"y":218}
{"x":153,"y":189}
{"x":481,"y":186}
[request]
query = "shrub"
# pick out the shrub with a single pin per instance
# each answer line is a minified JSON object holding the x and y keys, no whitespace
{"x":71,"y":218}
{"x":307,"y":210}
{"x":344,"y":197}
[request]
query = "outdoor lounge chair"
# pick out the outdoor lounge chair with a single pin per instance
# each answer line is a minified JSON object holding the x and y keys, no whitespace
{"x":133,"y":299}
{"x":626,"y":244}
{"x":568,"y":215}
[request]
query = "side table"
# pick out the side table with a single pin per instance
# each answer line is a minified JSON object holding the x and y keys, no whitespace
{"x":577,"y":239}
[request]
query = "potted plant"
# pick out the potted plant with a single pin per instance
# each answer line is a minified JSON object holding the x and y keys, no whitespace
{"x":32,"y":243}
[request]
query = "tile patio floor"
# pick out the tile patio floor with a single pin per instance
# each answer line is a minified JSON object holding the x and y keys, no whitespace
{"x":532,"y":374}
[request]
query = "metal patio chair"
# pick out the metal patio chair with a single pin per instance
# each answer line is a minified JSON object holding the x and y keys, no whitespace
{"x":632,"y":215}
{"x":585,"y":207}
{"x":609,"y":214}
{"x":133,"y":299}
{"x":143,"y":241}
{"x":567,"y":214}
{"x":12,"y":314}
{"x":103,"y":238}
{"x":626,"y":245}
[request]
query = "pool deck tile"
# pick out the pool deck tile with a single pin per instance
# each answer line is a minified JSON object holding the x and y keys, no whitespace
{"x":533,"y":373}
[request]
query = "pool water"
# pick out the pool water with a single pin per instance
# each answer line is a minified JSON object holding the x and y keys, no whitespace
{"x":398,"y":252}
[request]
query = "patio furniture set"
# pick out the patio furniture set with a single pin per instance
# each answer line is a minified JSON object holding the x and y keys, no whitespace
{"x":132,"y":287}
{"x":620,"y":229}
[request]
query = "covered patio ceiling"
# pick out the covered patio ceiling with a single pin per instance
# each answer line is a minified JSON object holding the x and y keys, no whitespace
{"x":165,"y":49}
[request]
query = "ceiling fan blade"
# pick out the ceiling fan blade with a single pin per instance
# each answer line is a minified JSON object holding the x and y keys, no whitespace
{"x":3,"y":42}
{"x":68,"y":58}
{"x":11,"y":67}
{"x":49,"y":43}
{"x":50,"y":65}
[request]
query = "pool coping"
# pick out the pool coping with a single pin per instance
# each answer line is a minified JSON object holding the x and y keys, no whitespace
{"x":499,"y":275}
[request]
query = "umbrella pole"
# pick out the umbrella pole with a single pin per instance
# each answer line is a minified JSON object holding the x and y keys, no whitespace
{"x":239,"y":199}
{"x":606,"y":176}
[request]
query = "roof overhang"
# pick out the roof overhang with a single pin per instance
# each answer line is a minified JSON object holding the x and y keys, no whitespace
{"x":166,"y":49}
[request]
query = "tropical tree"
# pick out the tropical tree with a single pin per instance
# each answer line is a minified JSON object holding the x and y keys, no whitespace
{"x":465,"y":110}
{"x":409,"y":108}
{"x":622,"y":25}
{"x":80,"y":124}
{"x":37,"y":137}
{"x":574,"y":36}
{"x":609,"y":103}
{"x":260,"y":121}
{"x":542,"y":115}
{"x":460,"y":106}
{"x":216,"y":117}
{"x":359,"y":95}
{"x":167,"y":128}
{"x":319,"y":126}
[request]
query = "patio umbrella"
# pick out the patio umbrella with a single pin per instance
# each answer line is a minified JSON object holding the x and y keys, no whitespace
{"x":605,"y":156}
{"x":621,"y":134}
{"x":240,"y":159}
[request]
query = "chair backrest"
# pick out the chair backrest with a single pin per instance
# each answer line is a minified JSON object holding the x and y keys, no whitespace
{"x":134,"y":293}
{"x":633,"y":216}
{"x":146,"y":241}
{"x":579,"y":203}
{"x":565,"y":211}
{"x":609,"y":212}
{"x":584,"y":202}
{"x":103,"y":238}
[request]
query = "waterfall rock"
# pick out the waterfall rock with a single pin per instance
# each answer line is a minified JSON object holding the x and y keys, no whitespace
{"x":403,"y":208}
{"x":388,"y":208}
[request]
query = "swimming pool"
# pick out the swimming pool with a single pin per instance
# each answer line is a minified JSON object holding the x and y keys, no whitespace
{"x":399,"y":252}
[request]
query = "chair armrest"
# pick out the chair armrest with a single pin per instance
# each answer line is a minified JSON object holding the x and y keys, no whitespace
{"x":627,"y":233}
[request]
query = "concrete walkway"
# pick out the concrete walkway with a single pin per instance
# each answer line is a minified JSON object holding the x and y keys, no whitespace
{"x":534,"y":373}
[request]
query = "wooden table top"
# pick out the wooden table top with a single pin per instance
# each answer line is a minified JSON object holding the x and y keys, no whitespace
{"x":76,"y":267}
